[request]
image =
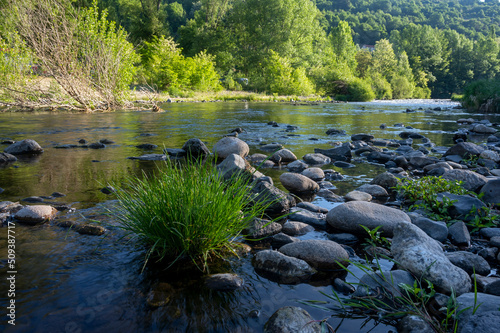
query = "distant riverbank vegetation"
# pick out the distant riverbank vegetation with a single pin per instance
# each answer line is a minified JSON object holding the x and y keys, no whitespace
{"x":86,"y":54}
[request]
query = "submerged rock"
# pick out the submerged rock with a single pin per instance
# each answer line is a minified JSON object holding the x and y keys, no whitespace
{"x":224,"y":282}
{"x":320,"y":254}
{"x":26,"y":146}
{"x":7,"y":158}
{"x":279,"y":267}
{"x":290,"y":319}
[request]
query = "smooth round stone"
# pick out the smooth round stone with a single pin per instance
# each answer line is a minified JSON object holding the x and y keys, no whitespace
{"x":295,"y":182}
{"x":320,"y":254}
{"x":314,"y":173}
{"x":293,"y":228}
{"x":357,"y":196}
{"x":224,"y":282}
{"x":35,"y":214}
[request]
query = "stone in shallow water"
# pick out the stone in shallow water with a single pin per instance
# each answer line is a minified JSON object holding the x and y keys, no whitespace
{"x":282,"y":268}
{"x":320,"y":254}
{"x":224,"y":282}
{"x":35,"y":214}
{"x":291,"y":319}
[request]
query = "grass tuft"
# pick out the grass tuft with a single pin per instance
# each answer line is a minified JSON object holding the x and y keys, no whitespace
{"x":187,"y":211}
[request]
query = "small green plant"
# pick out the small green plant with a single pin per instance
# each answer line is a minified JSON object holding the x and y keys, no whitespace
{"x":471,"y":160}
{"x":479,"y":218}
{"x":187,"y":211}
{"x":375,"y":238}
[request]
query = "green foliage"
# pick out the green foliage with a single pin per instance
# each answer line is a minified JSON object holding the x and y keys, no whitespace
{"x":482,"y":95}
{"x":375,"y":238}
{"x":359,"y":90}
{"x":166,"y":67}
{"x":381,"y":87}
{"x":343,"y":45}
{"x":277,"y":76}
{"x":187,"y":212}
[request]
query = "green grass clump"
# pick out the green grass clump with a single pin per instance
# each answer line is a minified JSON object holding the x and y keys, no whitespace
{"x":187,"y":211}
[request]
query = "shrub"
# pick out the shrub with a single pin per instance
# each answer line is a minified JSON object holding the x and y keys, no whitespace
{"x":187,"y":211}
{"x":381,"y":87}
{"x":482,"y":95}
{"x":359,"y":90}
{"x":402,"y":87}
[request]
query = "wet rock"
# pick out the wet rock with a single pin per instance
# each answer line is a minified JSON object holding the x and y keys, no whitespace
{"x":344,"y":238}
{"x":491,"y":191}
{"x":271,"y":147}
{"x":374,"y":190}
{"x":232,"y":166}
{"x":33,"y":199}
{"x":7,"y":158}
{"x":462,"y":205}
{"x":383,"y":283}
{"x":106,"y":141}
{"x":283,"y":156}
{"x":298,"y":183}
{"x":291,"y":320}
{"x":58,"y":194}
{"x":362,"y":137}
{"x":196,"y":148}
{"x":343,"y":287}
{"x":261,"y":160}
{"x":320,"y":254}
{"x":96,"y":145}
{"x":440,"y":165}
{"x":483,"y":129}
{"x":149,"y":157}
{"x":342,"y":153}
{"x":224,"y":282}
{"x":413,"y":135}
{"x":472,"y":181}
{"x":281,"y":239}
{"x":458,"y":234}
{"x":489,"y":285}
{"x":357,"y":196}
{"x":35,"y":214}
{"x":297,"y":166}
{"x":26,"y":146}
{"x":10,"y":207}
{"x":328,"y":195}
{"x":414,"y":324}
{"x":230,"y":145}
{"x":279,"y":267}
{"x":260,"y":229}
{"x":334,"y":131}
{"x":464,"y":149}
{"x":317,"y":220}
{"x":174,"y":152}
{"x":280,"y":202}
{"x":315,"y":174}
{"x":316,"y":158}
{"x":386,"y":180}
{"x":312,"y":208}
{"x":82,"y":141}
{"x":343,"y":164}
{"x":90,"y":229}
{"x":472,"y":318}
{"x":147,"y":146}
{"x":416,"y":252}
{"x":108,"y":190}
{"x":293,"y":228}
{"x":160,"y":295}
{"x":469,"y":262}
{"x":333,"y":175}
{"x":435,"y":229}
{"x":349,"y":217}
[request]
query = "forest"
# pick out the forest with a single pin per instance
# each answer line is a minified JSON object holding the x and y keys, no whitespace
{"x":348,"y":49}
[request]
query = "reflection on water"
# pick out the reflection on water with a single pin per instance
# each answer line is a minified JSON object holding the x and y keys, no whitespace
{"x":69,"y":282}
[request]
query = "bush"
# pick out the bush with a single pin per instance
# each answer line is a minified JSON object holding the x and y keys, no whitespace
{"x":402,"y":88}
{"x":381,"y":87}
{"x":422,"y":93}
{"x":482,"y":95}
{"x":165,"y":67}
{"x":359,"y":90}
{"x":187,"y":211}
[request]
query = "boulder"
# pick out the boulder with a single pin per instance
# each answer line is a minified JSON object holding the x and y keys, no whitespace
{"x":462,"y":206}
{"x":373,"y":190}
{"x":416,"y":252}
{"x":472,"y":181}
{"x":491,"y":191}
{"x":342,"y":153}
{"x":320,"y":254}
{"x":317,"y":220}
{"x":459,"y":235}
{"x":232,"y":166}
{"x":279,"y":267}
{"x":298,"y":183}
{"x":387,"y":180}
{"x":334,"y":131}
{"x":469,"y":262}
{"x":290,"y":319}
{"x":7,"y":158}
{"x":490,"y":155}
{"x":260,"y":229}
{"x":435,"y":229}
{"x":362,"y":137}
{"x":230,"y":145}
{"x":389,"y":282}
{"x":312,"y":208}
{"x":196,"y":148}
{"x":357,"y":196}
{"x":35,"y":214}
{"x":26,"y":146}
{"x":478,"y":313}
{"x":464,"y":149}
{"x":483,"y":129}
{"x":224,"y":282}
{"x":297,"y":166}
{"x":281,"y":239}
{"x":280,"y":202}
{"x":315,"y":159}
{"x":315,"y":174}
{"x":349,"y":217}
{"x":283,"y":156}
{"x":294,"y":228}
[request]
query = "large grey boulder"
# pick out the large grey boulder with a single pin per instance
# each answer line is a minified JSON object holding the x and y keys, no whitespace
{"x":421,"y":255}
{"x":320,"y":254}
{"x":279,"y":201}
{"x":260,"y":229}
{"x":35,"y":214}
{"x":478,"y":313}
{"x":232,"y":166}
{"x":464,"y":149}
{"x":373,"y":190}
{"x":230,"y":145}
{"x":472,"y":181}
{"x":297,"y":166}
{"x":315,"y":159}
{"x":279,"y":267}
{"x":491,"y":191}
{"x":298,"y":183}
{"x":462,"y":205}
{"x":342,"y":153}
{"x":349,"y":217}
{"x":196,"y":148}
{"x":315,"y":174}
{"x":290,"y":319}
{"x":26,"y":146}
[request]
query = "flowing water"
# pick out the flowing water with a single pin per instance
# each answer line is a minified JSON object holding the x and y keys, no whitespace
{"x":67,"y":282}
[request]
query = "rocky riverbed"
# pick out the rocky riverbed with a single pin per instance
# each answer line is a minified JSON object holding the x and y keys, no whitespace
{"x":313,"y":243}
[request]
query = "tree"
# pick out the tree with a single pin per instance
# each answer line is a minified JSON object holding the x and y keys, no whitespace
{"x":343,"y":45}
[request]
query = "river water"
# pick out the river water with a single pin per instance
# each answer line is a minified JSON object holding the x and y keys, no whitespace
{"x":68,"y":282}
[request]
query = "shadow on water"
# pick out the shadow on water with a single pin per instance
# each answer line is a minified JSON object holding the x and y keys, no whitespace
{"x":68,"y":282}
